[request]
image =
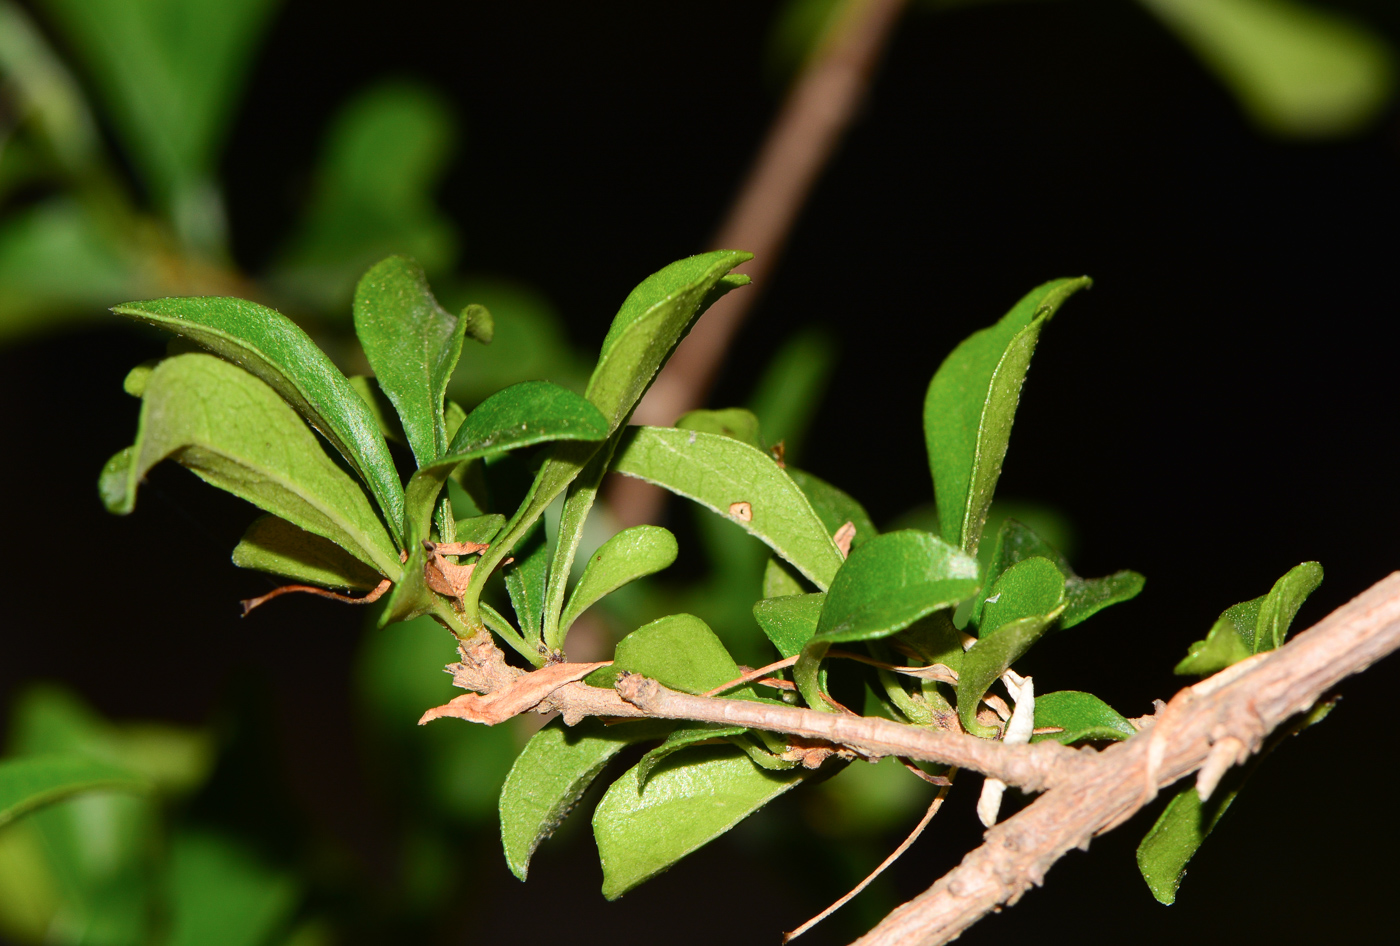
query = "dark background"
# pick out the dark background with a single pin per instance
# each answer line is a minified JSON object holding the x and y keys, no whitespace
{"x":1217,"y":409}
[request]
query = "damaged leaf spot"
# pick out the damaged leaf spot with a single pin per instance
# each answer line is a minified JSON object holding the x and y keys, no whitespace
{"x":741,"y":511}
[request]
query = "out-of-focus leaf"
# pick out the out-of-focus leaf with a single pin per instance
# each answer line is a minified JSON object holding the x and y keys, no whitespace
{"x":528,"y":343}
{"x":412,"y":344}
{"x":29,"y":892}
{"x":780,"y":579}
{"x":653,"y":319}
{"x":169,"y":71}
{"x":1080,"y":716}
{"x":1252,"y":627}
{"x":47,"y":92}
{"x":276,"y":546}
{"x":237,"y":434}
{"x":733,"y":422}
{"x":29,"y":784}
{"x":221,"y":895}
{"x":799,"y":30}
{"x":1297,"y":69}
{"x":791,"y":388}
{"x":271,"y":346}
{"x":525,"y":582}
{"x":834,"y":507}
{"x":551,"y":774}
{"x":739,"y":482}
{"x":687,"y":802}
{"x":891,"y":582}
{"x":631,"y":554}
{"x":58,"y":261}
{"x":373,"y":195}
{"x":971,"y":404}
{"x":1179,"y":832}
{"x":790,"y":620}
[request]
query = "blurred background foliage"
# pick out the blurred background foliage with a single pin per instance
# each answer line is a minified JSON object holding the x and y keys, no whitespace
{"x":116,"y":120}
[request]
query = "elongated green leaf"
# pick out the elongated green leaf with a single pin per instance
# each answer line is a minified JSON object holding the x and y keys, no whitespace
{"x":276,"y":546}
{"x":891,"y":582}
{"x":272,"y":347}
{"x":380,"y":406}
{"x":29,"y":784}
{"x":525,"y":582}
{"x":46,"y":92}
{"x":834,"y":507}
{"x":791,"y":389}
{"x":631,"y":554}
{"x":236,"y":433}
{"x":739,"y":482}
{"x":480,"y":529}
{"x":578,"y":501}
{"x":222,"y":895}
{"x":789,"y":621}
{"x":1179,"y":832}
{"x":733,"y":422}
{"x":688,"y":801}
{"x":1255,"y":626}
{"x":682,"y":739}
{"x":412,"y":344}
{"x":1079,"y":716}
{"x":1298,"y":69}
{"x":971,"y":404}
{"x":551,"y":774}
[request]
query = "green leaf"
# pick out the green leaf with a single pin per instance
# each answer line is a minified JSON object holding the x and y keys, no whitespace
{"x":631,"y":554}
{"x":221,"y":895}
{"x":834,"y":507}
{"x":1081,"y":716}
{"x":271,"y":346}
{"x":276,"y":546}
{"x":372,"y":195}
{"x":380,"y":406}
{"x":971,"y":404}
{"x":1255,"y":626}
{"x":721,"y":474}
{"x":1178,"y":833}
{"x":688,"y":802}
{"x":679,"y":651}
{"x":551,"y":774}
{"x":891,"y":582}
{"x":733,"y":422}
{"x":412,"y":344}
{"x":237,"y":434}
{"x":789,"y":620}
{"x":791,"y":388}
{"x":681,"y":739}
{"x":45,"y":92}
{"x":1029,"y":597}
{"x":780,"y":579}
{"x":169,"y":72}
{"x":1297,"y":69}
{"x":480,"y":529}
{"x":29,"y":784}
{"x":525,"y":582}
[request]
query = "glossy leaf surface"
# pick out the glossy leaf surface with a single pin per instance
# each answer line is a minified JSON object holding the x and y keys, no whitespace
{"x":789,"y":621}
{"x":892,"y":581}
{"x":277,"y":547}
{"x":1178,"y":833}
{"x":237,"y":433}
{"x":723,"y":474}
{"x":1080,"y":716}
{"x":687,"y":802}
{"x":679,"y":651}
{"x":271,"y":346}
{"x":834,"y":507}
{"x":971,"y":404}
{"x":631,"y":554}
{"x":551,"y":774}
{"x":525,"y":582}
{"x":412,"y":344}
{"x":29,"y":784}
{"x":1252,"y":627}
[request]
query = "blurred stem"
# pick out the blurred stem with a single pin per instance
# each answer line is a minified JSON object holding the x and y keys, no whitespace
{"x":819,"y":108}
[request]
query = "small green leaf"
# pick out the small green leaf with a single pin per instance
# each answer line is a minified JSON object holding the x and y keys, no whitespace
{"x":220,"y":894}
{"x":271,"y":346}
{"x":551,"y":774}
{"x":480,"y":529}
{"x":834,"y":507}
{"x":679,"y":651}
{"x":412,"y":344}
{"x":236,"y":433}
{"x":631,"y":554}
{"x":971,"y":404}
{"x":1031,"y":587}
{"x":525,"y":581}
{"x":1179,"y":832}
{"x":891,"y":582}
{"x":29,"y":784}
{"x":1255,"y":626}
{"x":276,"y":546}
{"x":1297,"y":69}
{"x":741,"y":483}
{"x":681,"y":739}
{"x":781,"y":579}
{"x":733,"y":422}
{"x":789,"y":621}
{"x":1080,"y":716}
{"x":687,"y":802}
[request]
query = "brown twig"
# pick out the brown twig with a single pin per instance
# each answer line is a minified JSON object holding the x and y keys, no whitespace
{"x":816,"y":113}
